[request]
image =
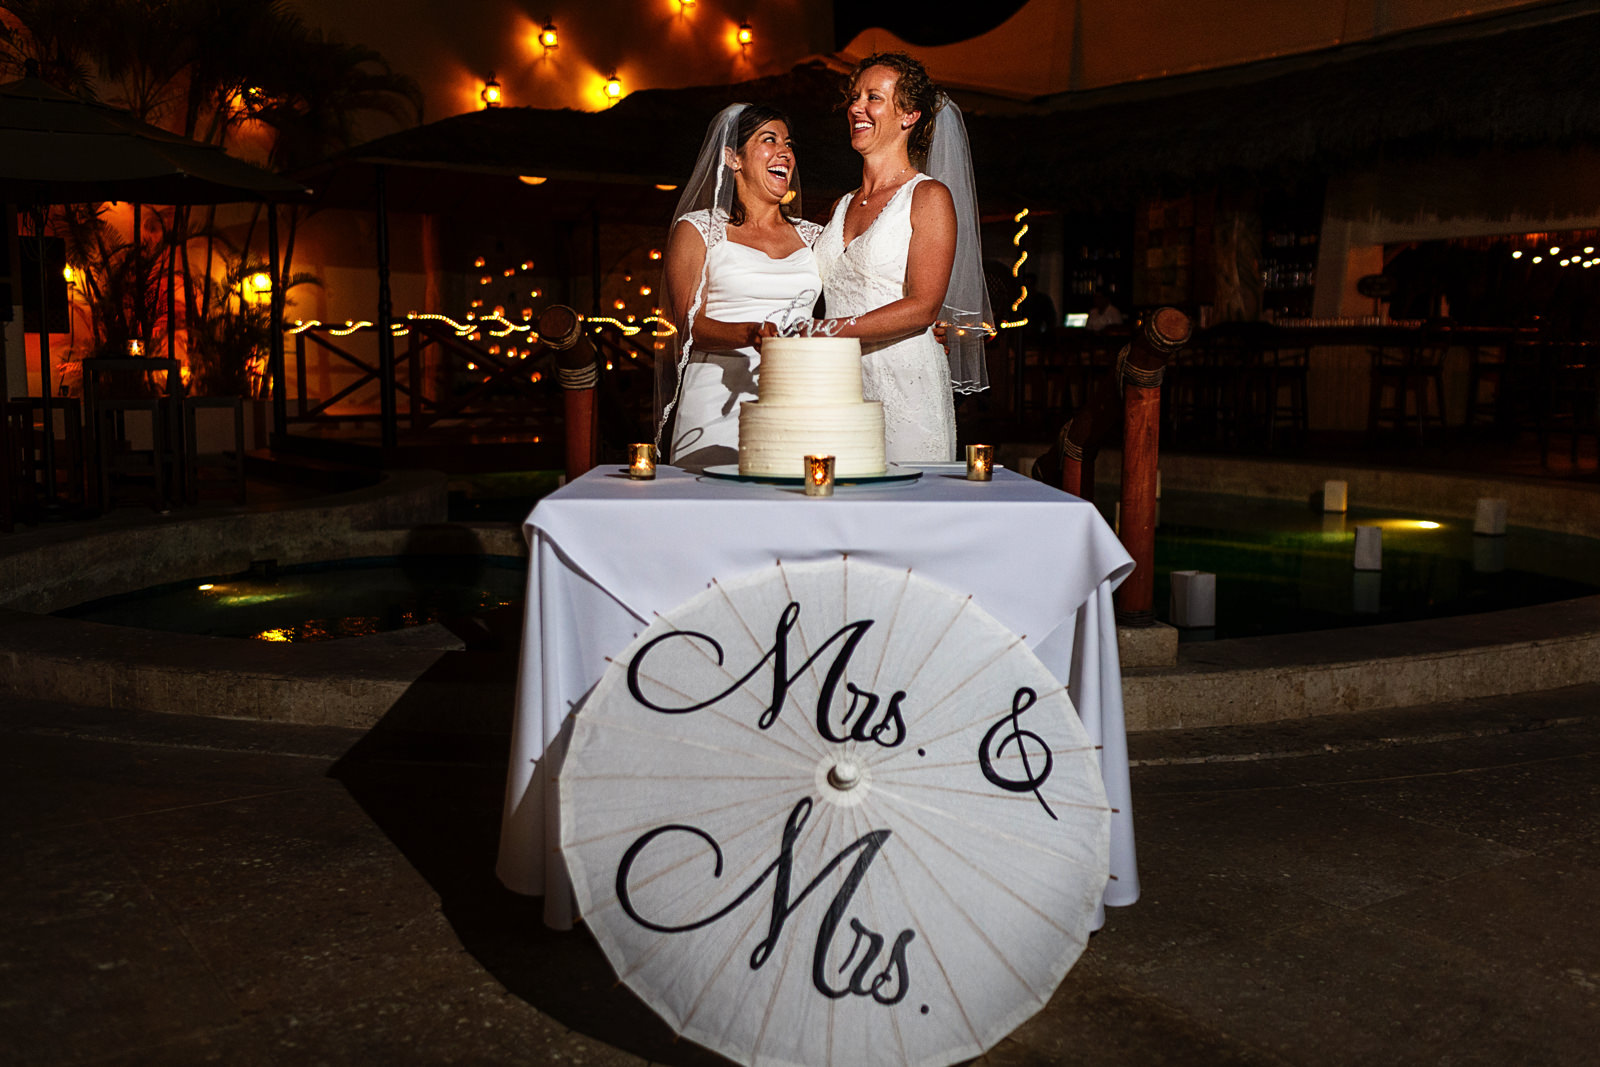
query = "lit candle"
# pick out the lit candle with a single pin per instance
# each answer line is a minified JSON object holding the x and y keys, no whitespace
{"x":642,"y":461}
{"x":980,"y":463}
{"x":819,"y":476}
{"x":135,"y":346}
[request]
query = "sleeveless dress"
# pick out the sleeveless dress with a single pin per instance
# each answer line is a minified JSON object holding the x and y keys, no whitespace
{"x":743,"y":284}
{"x":911,"y":376}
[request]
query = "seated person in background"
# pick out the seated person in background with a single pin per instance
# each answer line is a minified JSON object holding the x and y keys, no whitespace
{"x":1104,"y":314}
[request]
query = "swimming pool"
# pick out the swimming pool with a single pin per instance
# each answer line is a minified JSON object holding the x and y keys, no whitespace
{"x":320,"y":601}
{"x":1282,"y":567}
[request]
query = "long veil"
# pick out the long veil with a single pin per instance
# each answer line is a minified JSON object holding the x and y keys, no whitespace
{"x":970,"y":320}
{"x":709,"y":189}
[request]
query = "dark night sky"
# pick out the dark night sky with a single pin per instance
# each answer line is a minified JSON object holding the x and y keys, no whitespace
{"x":924,"y":22}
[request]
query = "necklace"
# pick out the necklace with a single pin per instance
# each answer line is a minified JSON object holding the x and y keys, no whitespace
{"x":893,"y":182}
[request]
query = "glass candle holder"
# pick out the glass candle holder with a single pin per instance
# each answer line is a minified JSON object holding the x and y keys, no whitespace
{"x":819,"y":476}
{"x":980,"y":463}
{"x":642,"y":461}
{"x":135,"y":346}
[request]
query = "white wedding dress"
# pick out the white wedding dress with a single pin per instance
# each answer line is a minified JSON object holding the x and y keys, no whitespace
{"x":911,"y":377}
{"x":743,"y":284}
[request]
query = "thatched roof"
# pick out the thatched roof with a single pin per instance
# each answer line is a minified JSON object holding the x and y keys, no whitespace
{"x":616,"y":156}
{"x":1531,"y":78}
{"x":58,"y":149}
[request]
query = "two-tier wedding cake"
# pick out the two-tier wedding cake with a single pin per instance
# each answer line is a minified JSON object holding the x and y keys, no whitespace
{"x":810,"y":404}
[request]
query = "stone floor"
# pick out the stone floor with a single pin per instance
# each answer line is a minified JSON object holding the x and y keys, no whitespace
{"x":1410,"y":887}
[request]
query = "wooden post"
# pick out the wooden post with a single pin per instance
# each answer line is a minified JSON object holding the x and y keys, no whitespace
{"x":1140,"y":369}
{"x":562,"y":331}
{"x":275,"y":371}
{"x":389,"y":418}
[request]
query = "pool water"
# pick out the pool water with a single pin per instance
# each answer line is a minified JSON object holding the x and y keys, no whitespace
{"x":321,"y":601}
{"x":1283,"y":568}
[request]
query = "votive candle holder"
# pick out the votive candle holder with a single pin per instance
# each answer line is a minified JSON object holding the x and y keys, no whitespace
{"x":819,"y":476}
{"x":980,"y":463}
{"x":642,"y":461}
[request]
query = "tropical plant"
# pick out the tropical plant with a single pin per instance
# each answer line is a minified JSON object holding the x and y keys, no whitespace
{"x":202,"y":68}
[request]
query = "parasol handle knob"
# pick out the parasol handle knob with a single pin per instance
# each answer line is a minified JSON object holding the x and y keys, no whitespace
{"x":844,"y":775}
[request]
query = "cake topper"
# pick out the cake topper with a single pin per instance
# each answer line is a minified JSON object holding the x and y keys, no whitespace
{"x":796,"y":321}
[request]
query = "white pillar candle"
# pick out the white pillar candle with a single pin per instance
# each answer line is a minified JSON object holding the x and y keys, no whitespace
{"x":1194,"y":599}
{"x":1335,"y":496}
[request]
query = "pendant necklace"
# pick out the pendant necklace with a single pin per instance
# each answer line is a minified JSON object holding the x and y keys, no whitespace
{"x":893,"y":182}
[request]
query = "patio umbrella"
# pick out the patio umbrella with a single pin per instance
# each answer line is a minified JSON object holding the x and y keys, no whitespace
{"x":834,"y":813}
{"x":58,"y":149}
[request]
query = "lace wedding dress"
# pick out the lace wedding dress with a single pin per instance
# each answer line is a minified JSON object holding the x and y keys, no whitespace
{"x":911,"y":377}
{"x":743,"y":284}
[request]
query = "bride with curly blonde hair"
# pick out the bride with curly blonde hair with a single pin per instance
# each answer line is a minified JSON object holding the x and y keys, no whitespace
{"x":901,"y":255}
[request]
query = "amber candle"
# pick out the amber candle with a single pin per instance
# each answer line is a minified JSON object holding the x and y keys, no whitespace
{"x":819,"y":476}
{"x":642,"y":461}
{"x":980,"y":463}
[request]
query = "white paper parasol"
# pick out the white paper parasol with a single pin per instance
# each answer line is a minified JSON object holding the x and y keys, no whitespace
{"x":832,"y":813}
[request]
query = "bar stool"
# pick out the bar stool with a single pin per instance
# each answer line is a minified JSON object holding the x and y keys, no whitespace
{"x":1286,"y":370}
{"x":26,"y":414}
{"x":1572,"y":404}
{"x":221,"y":469}
{"x":1415,"y":373}
{"x":114,"y":388}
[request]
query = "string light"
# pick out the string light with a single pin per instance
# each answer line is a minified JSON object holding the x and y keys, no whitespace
{"x":665,"y":188}
{"x":473,"y":331}
{"x":655,"y":253}
{"x":530,"y":179}
{"x":1016,"y":269}
{"x":1517,"y":254}
{"x":600,"y":321}
{"x":491,"y":94}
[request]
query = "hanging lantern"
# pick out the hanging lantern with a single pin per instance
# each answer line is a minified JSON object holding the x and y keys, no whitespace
{"x":491,"y":94}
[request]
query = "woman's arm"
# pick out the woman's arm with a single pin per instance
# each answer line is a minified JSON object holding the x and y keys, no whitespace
{"x":685,"y":260}
{"x":932,"y":251}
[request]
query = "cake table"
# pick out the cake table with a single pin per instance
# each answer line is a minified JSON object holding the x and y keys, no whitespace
{"x":607,"y":552}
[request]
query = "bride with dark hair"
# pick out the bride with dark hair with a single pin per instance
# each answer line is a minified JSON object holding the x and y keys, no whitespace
{"x":901,"y":255}
{"x":737,"y":258}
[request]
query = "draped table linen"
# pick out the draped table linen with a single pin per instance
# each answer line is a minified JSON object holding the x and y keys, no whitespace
{"x":607,"y":553}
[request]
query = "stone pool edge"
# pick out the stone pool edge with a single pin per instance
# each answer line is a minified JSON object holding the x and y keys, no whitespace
{"x":1248,"y":680}
{"x":1372,"y":668}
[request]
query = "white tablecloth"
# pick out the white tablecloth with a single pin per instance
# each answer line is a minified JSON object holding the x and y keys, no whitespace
{"x":607,"y":552}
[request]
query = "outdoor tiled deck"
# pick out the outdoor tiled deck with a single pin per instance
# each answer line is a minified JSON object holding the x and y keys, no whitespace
{"x":1400,"y":888}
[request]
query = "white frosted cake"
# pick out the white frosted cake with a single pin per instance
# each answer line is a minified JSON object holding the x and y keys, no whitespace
{"x":810,"y":404}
